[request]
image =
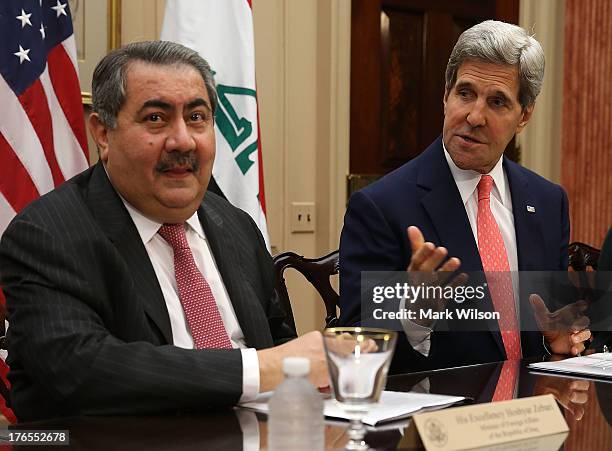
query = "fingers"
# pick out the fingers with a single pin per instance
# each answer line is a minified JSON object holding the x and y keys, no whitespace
{"x":580,"y":385}
{"x":416,"y":238}
{"x":540,"y":311}
{"x":579,"y":307}
{"x":572,"y":395}
{"x":426,"y":256}
{"x":345,"y":345}
{"x":578,"y":412}
{"x":571,"y":311}
{"x":421,"y":251}
{"x":578,"y":340}
{"x":538,"y":305}
{"x":451,"y":265}
{"x":579,"y":396}
{"x":369,"y":346}
{"x":581,"y":324}
{"x":309,"y":345}
{"x":581,"y":337}
{"x":568,"y":319}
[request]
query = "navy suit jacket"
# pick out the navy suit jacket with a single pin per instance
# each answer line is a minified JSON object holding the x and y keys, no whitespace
{"x":423,"y":193}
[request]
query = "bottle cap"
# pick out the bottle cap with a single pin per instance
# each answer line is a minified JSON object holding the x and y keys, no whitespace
{"x":296,"y":366}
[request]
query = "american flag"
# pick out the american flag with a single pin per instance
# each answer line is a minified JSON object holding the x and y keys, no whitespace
{"x":42,"y":130}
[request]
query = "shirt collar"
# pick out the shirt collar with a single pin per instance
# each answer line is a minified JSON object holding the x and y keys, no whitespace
{"x":467,"y":179}
{"x":147,"y":228}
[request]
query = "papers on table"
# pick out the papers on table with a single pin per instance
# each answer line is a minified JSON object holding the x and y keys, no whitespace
{"x":594,"y":365}
{"x":392,"y":406}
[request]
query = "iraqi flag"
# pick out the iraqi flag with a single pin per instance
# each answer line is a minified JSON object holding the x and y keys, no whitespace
{"x":222,"y":33}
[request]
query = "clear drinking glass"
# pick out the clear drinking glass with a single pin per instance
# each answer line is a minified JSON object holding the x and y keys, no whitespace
{"x":358,"y":359}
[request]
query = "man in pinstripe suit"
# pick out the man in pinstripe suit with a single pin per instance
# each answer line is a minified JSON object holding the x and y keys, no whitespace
{"x":97,"y":326}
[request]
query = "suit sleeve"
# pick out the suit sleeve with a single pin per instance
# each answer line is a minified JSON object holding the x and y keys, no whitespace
{"x":61,"y":351}
{"x":368,"y":243}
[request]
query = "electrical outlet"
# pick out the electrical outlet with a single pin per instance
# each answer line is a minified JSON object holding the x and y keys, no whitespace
{"x":302,"y":217}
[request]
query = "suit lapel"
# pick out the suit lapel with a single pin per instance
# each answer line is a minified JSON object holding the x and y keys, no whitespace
{"x":116,"y":223}
{"x":445,"y":207}
{"x":525,"y":207}
{"x":220,"y":233}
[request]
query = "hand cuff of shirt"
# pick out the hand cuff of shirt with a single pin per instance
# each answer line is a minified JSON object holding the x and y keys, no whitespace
{"x":250,"y":374}
{"x":418,"y":336}
{"x":546,"y":348}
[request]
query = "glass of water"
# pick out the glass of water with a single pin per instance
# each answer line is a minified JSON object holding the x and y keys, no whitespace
{"x":358,"y":359}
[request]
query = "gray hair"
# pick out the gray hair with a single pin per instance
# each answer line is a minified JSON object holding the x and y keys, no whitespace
{"x":501,"y":43}
{"x":109,"y":77}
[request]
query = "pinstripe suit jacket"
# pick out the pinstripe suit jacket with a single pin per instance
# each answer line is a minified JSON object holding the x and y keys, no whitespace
{"x":90,"y":333}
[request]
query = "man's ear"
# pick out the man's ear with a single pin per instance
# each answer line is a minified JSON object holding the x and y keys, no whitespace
{"x":99,"y":133}
{"x":525,"y":116}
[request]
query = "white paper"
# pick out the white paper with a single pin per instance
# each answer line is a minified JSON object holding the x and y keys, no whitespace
{"x":599,"y":365}
{"x":392,"y":405}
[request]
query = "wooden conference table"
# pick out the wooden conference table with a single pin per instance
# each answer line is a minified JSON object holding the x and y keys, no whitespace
{"x":586,"y":405}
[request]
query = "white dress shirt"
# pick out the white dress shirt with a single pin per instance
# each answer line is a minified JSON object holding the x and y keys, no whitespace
{"x":162,"y":258}
{"x":501,"y":207}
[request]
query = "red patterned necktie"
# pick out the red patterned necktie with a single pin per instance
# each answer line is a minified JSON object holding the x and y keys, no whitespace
{"x":495,"y":263}
{"x":504,"y":390}
{"x":201,"y":311}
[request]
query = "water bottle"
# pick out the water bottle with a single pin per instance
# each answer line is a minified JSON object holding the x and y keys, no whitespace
{"x":295,"y":418}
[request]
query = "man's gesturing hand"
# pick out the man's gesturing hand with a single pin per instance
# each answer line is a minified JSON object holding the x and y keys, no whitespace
{"x":573,"y":395}
{"x":428,"y":267}
{"x":565,"y":330}
{"x":426,"y":256}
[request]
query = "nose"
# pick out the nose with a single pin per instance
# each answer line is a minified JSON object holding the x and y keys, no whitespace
{"x":180,"y":138}
{"x":476,"y":115}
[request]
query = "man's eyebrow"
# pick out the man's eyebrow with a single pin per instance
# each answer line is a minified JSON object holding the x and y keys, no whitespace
{"x":198,"y":102}
{"x":155,"y":103}
{"x":463,"y":84}
{"x":501,"y":94}
{"x":497,"y":93}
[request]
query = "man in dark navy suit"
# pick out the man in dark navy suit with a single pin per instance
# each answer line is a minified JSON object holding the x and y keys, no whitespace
{"x":461,"y":198}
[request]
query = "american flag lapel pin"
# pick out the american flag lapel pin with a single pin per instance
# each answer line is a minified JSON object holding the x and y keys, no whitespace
{"x":530,"y":209}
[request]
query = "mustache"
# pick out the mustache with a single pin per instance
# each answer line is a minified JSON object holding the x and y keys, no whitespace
{"x":183,"y":160}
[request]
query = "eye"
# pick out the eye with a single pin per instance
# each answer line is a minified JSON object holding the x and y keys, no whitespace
{"x":464,"y":93}
{"x":498,"y":102}
{"x":154,"y":117}
{"x":196,"y":117}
